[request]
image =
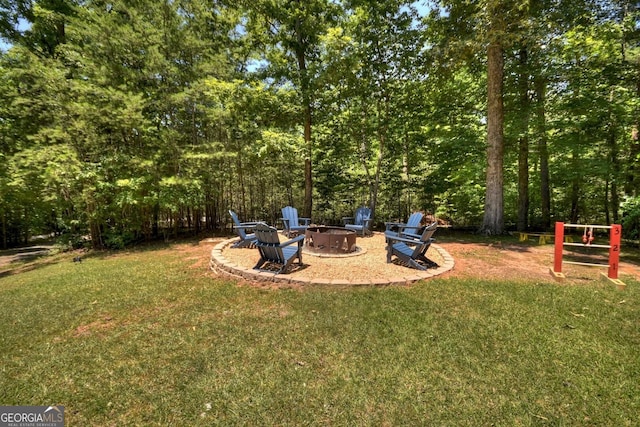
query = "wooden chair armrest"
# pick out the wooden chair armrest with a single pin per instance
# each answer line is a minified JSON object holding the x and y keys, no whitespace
{"x":292,"y":241}
{"x":245,"y":225}
{"x":412,"y":242}
{"x":392,"y":237}
{"x":410,"y":235}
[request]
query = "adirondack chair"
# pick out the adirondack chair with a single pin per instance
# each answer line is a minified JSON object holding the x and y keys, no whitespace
{"x":410,"y":229}
{"x":360,"y":222}
{"x":411,"y":251}
{"x":274,"y":252}
{"x":243,"y":230}
{"x":291,"y":221}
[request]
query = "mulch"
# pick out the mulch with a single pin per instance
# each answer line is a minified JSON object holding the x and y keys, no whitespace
{"x":370,"y":264}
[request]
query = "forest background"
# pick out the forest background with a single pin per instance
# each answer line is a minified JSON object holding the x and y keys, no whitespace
{"x":128,"y":120}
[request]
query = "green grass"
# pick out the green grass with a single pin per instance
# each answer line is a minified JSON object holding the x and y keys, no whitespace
{"x":140,"y":338}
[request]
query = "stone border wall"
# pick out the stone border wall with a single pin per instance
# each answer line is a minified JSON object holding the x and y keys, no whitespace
{"x":221,"y":264}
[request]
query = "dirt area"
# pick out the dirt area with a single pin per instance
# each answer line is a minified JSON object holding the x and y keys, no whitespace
{"x":502,"y":259}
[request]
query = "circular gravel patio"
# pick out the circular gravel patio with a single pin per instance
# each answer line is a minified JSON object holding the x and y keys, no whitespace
{"x":368,"y":267}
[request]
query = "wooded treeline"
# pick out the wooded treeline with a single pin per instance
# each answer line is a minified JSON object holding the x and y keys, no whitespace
{"x":132,"y":119}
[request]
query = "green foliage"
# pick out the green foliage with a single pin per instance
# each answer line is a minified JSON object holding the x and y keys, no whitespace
{"x":134,"y":120}
{"x":631,"y":218}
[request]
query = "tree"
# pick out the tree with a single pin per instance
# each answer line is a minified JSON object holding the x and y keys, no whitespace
{"x":493,"y":222}
{"x":370,"y":67}
{"x":290,"y":32}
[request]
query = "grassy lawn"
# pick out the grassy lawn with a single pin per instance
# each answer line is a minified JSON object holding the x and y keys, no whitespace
{"x":141,"y":338}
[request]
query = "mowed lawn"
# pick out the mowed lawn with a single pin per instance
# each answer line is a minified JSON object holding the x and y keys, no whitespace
{"x":141,"y":338}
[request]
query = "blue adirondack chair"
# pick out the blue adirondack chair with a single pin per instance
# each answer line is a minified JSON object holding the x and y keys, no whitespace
{"x":243,"y":230}
{"x":274,"y":252}
{"x":408,"y":229}
{"x":360,"y":222}
{"x":291,"y":221}
{"x":411,"y":251}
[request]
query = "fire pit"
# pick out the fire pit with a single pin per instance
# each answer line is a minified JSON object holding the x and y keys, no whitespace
{"x":330,"y":240}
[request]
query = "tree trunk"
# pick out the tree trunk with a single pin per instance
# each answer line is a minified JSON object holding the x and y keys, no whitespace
{"x":241,"y":180}
{"x":633,"y":175}
{"x":155,"y":227}
{"x":607,"y":210}
{"x":523,"y":183}
{"x":523,"y":146}
{"x":308,"y":174}
{"x":305,"y":88}
{"x":575,"y":187}
{"x":364,"y":147}
{"x":4,"y":229}
{"x":493,"y":222}
{"x":575,"y":201}
{"x":383,"y":113}
{"x":615,"y":173}
{"x":543,"y":152}
{"x":633,"y":172}
{"x":404,"y":210}
{"x":376,"y":184}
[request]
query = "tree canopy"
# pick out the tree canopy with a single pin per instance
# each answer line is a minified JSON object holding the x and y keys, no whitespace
{"x":128,"y":120}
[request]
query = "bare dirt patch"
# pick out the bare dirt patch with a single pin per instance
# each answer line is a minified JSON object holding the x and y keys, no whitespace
{"x":499,"y":261}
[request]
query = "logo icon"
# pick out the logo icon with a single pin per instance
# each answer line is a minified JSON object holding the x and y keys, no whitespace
{"x":32,"y":416}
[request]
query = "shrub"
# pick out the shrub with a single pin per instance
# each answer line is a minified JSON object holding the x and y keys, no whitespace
{"x":631,"y":218}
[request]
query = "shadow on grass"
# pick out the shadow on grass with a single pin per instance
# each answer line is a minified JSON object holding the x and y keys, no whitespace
{"x":25,"y":264}
{"x":158,"y":245}
{"x":504,"y":242}
{"x":30,"y":258}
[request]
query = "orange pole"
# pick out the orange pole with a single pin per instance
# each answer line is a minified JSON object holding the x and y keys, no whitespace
{"x":559,"y":240}
{"x":614,"y":251}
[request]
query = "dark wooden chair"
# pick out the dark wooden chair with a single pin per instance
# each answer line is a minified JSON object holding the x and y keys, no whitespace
{"x":243,"y":230}
{"x":274,"y":252}
{"x":360,"y":222}
{"x":292,"y":223}
{"x":410,"y":250}
{"x":410,"y":228}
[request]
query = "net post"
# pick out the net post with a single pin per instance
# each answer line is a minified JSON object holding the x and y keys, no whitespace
{"x":556,"y":271}
{"x":558,"y":244}
{"x":614,"y":251}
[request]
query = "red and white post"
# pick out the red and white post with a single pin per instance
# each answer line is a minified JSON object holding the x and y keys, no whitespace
{"x":558,"y":247}
{"x":613,"y":246}
{"x":614,"y":251}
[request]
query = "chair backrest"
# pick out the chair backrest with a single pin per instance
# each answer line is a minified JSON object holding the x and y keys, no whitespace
{"x":236,"y":221}
{"x":413,"y":223}
{"x":426,"y":240}
{"x":290,"y":213}
{"x":268,"y":243}
{"x":362,"y":214}
{"x":428,"y":231}
{"x":267,"y":234}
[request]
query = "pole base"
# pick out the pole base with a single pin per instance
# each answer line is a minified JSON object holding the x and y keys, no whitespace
{"x":560,"y":277}
{"x":619,"y":283}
